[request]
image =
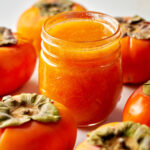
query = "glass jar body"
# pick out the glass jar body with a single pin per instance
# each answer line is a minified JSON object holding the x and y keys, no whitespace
{"x":87,"y":78}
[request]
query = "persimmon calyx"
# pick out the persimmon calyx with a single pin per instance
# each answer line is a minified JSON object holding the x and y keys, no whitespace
{"x":135,"y":27}
{"x":126,"y":135}
{"x":51,"y":9}
{"x":6,"y":37}
{"x":19,"y":109}
{"x":146,"y":88}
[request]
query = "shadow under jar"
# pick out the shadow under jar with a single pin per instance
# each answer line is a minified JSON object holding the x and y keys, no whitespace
{"x":80,"y":64}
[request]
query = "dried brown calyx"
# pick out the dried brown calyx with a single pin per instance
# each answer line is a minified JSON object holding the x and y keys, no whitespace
{"x":135,"y":27}
{"x":146,"y":88}
{"x":124,"y":136}
{"x":19,"y":109}
{"x":7,"y":37}
{"x":53,"y":8}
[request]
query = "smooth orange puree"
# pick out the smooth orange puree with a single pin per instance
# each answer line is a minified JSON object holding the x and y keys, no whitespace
{"x":80,"y":31}
{"x":84,"y":77}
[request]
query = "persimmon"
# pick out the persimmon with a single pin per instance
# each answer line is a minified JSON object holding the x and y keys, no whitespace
{"x":138,"y":105}
{"x":31,"y":21}
{"x":34,"y":122}
{"x":17,"y":60}
{"x":118,"y":136}
{"x":135,"y":45}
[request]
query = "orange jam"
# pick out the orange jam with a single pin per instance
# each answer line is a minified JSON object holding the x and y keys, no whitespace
{"x":80,"y":64}
{"x":80,"y":31}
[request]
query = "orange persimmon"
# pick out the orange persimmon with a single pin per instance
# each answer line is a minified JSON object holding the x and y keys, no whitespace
{"x":138,"y":106}
{"x":135,"y":60}
{"x":85,"y":145}
{"x":135,"y":46}
{"x":56,"y":133}
{"x":118,"y":136}
{"x":17,"y":60}
{"x":31,"y":21}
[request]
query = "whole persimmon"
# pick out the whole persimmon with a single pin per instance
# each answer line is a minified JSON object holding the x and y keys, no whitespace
{"x":17,"y":60}
{"x":135,"y":45}
{"x":34,"y":122}
{"x":137,"y":107}
{"x":118,"y":136}
{"x":31,"y":21}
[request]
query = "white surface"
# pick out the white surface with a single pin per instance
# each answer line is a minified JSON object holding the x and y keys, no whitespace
{"x":10,"y":10}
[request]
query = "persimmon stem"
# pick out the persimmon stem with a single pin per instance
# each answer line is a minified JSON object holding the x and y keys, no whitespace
{"x":19,"y":109}
{"x":146,"y":88}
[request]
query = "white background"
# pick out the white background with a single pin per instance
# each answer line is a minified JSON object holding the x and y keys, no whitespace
{"x":10,"y":10}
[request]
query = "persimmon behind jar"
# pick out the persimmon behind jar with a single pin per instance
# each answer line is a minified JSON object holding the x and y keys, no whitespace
{"x":80,"y":64}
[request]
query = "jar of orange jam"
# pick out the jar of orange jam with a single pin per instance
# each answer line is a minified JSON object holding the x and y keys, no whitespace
{"x":80,"y":64}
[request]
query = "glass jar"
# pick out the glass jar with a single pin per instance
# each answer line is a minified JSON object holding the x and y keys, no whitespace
{"x":85,"y":76}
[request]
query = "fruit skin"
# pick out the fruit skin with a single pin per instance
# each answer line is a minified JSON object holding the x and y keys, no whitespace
{"x":135,"y":60}
{"x":17,"y":64}
{"x":137,"y":108}
{"x":30,"y":24}
{"x":38,"y":136}
{"x":86,"y":146}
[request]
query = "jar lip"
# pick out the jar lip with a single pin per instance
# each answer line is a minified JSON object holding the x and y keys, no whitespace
{"x":106,"y":17}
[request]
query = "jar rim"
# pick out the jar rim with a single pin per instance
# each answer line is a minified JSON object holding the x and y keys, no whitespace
{"x":105,"y":17}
